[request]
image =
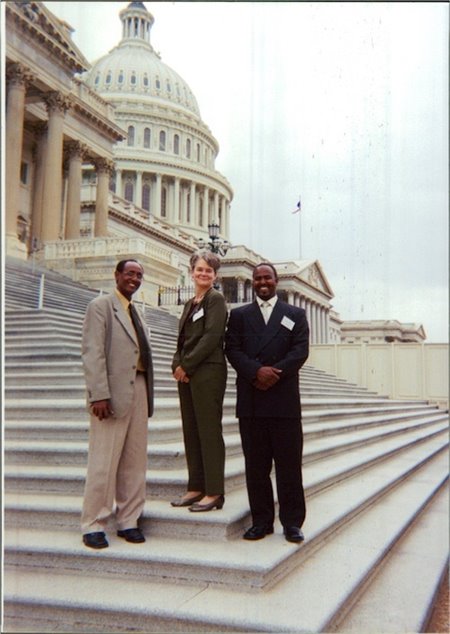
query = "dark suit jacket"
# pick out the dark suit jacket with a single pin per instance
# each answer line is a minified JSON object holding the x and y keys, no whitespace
{"x":109,"y":352}
{"x":203,"y":333}
{"x":283,"y":343}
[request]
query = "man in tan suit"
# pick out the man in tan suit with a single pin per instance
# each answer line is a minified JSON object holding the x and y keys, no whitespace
{"x":119,"y":380}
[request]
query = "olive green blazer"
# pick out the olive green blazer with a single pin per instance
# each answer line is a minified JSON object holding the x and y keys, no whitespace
{"x":203,"y":333}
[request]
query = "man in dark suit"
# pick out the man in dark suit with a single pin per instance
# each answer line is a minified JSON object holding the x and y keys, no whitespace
{"x":118,"y":370}
{"x":267,"y":342}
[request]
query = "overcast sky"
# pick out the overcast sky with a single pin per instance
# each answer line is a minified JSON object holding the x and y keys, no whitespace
{"x":342,"y":104}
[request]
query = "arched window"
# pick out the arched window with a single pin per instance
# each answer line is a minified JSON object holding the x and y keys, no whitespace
{"x":163,"y":202}
{"x":198,"y":152}
{"x":188,"y":207}
{"x":129,"y":191}
{"x":133,"y":79}
{"x":162,"y":141}
{"x":158,"y":83}
{"x":146,"y":80}
{"x":120,"y":78}
{"x":97,"y":79}
{"x":147,"y":137}
{"x":188,"y":148}
{"x":169,"y":88}
{"x":146,"y":197}
{"x":108,"y":77}
{"x":130,"y":135}
{"x":176,"y":144}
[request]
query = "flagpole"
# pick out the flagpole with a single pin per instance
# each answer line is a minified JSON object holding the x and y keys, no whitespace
{"x":299,"y":236}
{"x":298,"y":211}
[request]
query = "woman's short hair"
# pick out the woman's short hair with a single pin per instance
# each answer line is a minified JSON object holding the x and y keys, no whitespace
{"x":210,"y":258}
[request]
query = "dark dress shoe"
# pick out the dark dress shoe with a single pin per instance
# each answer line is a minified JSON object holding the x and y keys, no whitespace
{"x":133,"y":535}
{"x":187,"y":501}
{"x":293,"y":534}
{"x":215,"y":504}
{"x":258,"y":532}
{"x":95,"y":540}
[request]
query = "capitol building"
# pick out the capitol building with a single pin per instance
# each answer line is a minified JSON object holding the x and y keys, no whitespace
{"x":113,"y":160}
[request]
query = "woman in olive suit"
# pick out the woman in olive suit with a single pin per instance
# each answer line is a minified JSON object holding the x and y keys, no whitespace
{"x":199,"y":367}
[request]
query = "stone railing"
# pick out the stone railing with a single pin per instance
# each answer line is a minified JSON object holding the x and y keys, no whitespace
{"x":410,"y":371}
{"x":69,"y":249}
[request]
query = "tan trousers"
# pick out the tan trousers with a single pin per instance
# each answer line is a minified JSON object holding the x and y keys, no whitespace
{"x":117,"y":466}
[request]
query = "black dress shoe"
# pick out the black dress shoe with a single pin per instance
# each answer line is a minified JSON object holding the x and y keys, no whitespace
{"x":258,"y":532}
{"x":187,"y":501}
{"x":293,"y":534}
{"x":95,"y":540}
{"x":133,"y":535}
{"x":215,"y":504}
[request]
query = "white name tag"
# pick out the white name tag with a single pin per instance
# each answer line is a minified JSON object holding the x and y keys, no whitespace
{"x":287,"y":323}
{"x":198,"y":314}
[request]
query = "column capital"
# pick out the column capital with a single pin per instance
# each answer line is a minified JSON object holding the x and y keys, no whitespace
{"x":56,"y":102}
{"x":18,"y":74}
{"x":102,"y":164}
{"x":75,"y":149}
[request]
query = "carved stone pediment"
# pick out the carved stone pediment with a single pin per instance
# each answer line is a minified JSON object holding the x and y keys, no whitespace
{"x":53,"y":33}
{"x":314,"y":276}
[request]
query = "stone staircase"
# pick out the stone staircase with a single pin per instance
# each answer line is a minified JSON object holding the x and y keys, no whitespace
{"x":375,"y":474}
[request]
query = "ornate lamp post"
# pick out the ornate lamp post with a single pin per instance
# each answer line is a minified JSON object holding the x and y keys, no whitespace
{"x":215,"y":243}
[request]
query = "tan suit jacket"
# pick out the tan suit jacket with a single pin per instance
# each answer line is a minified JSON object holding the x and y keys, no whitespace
{"x":110,"y":352}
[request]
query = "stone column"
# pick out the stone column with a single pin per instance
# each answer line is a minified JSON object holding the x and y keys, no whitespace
{"x":182,"y":214}
{"x":17,"y":77}
{"x":119,"y":183}
{"x":309,"y":318}
{"x":57,"y":104}
{"x":157,"y":198}
{"x":206,"y":218}
{"x":192,"y":205}
{"x":216,"y":216}
{"x":290,"y":297}
{"x":138,"y":197}
{"x":104,"y":169}
{"x":240,"y":290}
{"x":327,"y":325}
{"x":75,"y":152}
{"x":175,"y":211}
{"x":39,"y":160}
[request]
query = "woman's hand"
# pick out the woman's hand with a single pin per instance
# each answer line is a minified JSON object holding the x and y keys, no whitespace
{"x":180,"y":375}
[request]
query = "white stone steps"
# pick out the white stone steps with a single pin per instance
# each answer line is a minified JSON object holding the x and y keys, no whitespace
{"x":408,"y":571}
{"x":73,"y":408}
{"x":334,"y":425}
{"x":170,"y":455}
{"x":352,"y":439}
{"x":314,"y":596}
{"x":160,"y":429}
{"x":317,"y":475}
{"x":161,"y":455}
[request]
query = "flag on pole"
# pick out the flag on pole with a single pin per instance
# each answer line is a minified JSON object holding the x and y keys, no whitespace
{"x":299,"y":207}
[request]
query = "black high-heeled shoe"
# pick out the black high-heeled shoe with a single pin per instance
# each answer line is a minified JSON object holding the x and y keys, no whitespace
{"x":216,"y":504}
{"x":188,"y":501}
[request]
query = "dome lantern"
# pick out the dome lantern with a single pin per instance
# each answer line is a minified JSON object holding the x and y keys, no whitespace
{"x":137,"y":22}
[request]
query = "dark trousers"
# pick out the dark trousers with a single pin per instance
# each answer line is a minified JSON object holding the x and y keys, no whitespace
{"x":278,"y":440}
{"x":201,"y":402}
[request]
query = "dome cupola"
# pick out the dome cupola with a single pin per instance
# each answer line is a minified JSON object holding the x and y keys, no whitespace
{"x":134,"y":67}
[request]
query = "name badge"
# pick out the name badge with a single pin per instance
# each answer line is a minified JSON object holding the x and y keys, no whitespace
{"x":287,"y":323}
{"x":198,"y":314}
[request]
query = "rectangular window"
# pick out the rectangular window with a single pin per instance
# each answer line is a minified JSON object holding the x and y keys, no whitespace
{"x":24,"y":173}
